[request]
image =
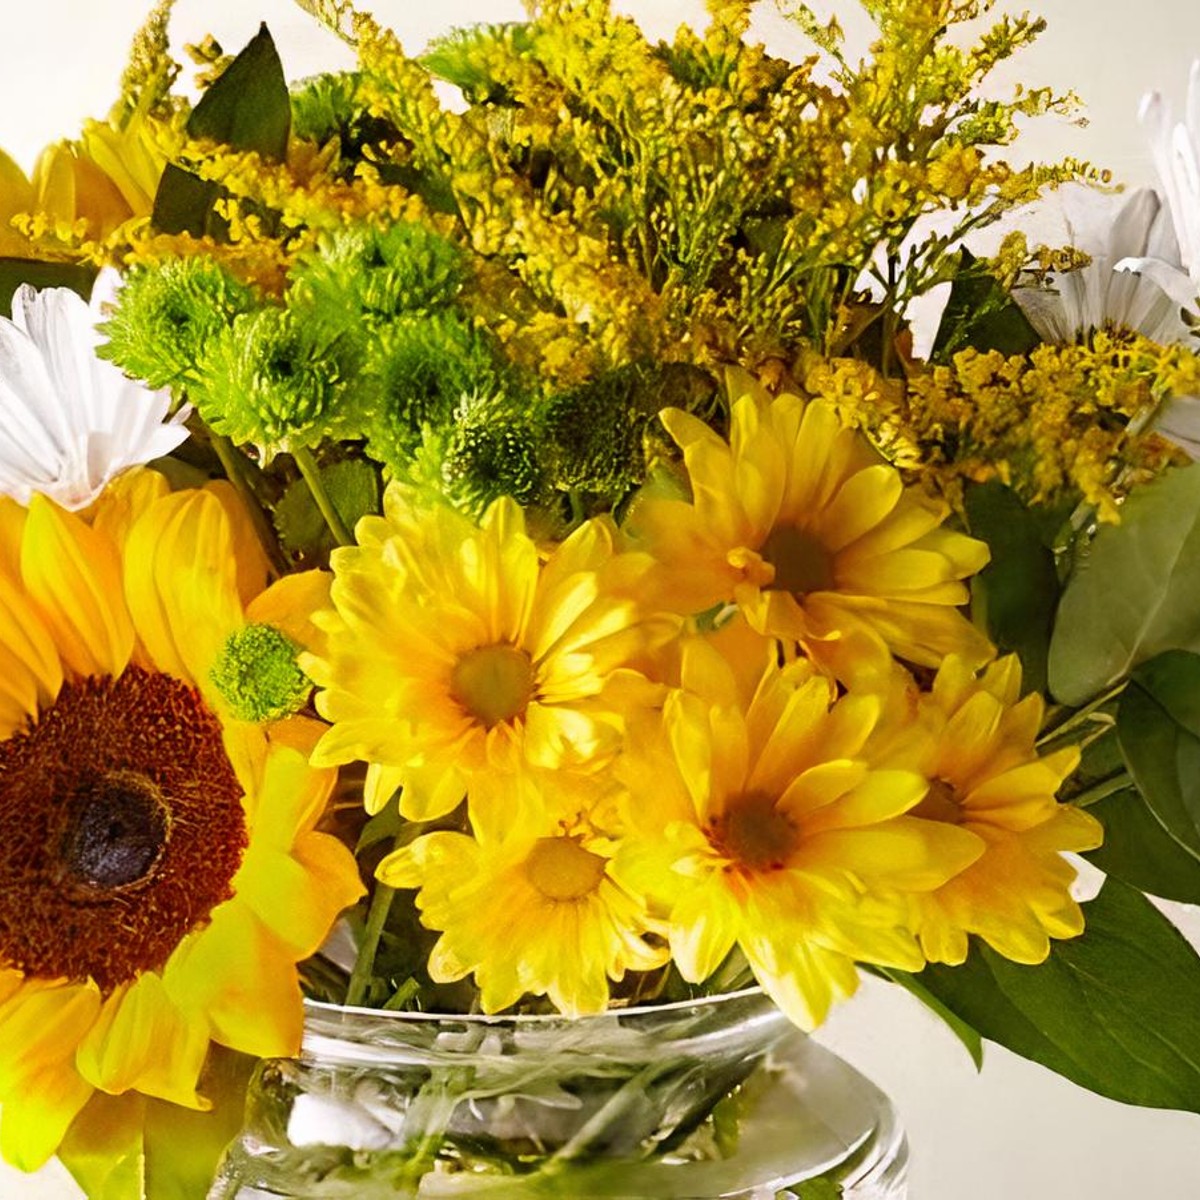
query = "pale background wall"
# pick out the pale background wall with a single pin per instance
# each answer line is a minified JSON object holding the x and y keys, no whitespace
{"x":1016,"y":1132}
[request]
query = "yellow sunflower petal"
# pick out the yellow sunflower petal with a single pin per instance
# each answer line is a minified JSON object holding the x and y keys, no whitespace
{"x":41,"y":1025}
{"x":73,"y":575}
{"x":242,"y":981}
{"x":181,"y":580}
{"x":142,"y":1041}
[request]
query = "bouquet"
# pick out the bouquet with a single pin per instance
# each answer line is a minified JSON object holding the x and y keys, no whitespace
{"x":495,"y":532}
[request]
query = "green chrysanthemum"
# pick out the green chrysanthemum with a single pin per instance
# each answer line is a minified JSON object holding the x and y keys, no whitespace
{"x":166,"y":315}
{"x":366,"y":277}
{"x":417,"y":371}
{"x":267,"y":380}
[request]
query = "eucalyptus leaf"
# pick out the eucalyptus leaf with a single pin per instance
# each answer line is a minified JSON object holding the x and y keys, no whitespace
{"x":1139,"y":851}
{"x":247,"y":108}
{"x":1133,"y":593}
{"x":1116,"y":1010}
{"x":1158,"y":726}
{"x":1014,"y":597}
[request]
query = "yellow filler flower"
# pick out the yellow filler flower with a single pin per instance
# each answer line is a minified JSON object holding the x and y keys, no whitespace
{"x":452,"y":650}
{"x":160,"y":876}
{"x":756,"y":820}
{"x":528,"y":905}
{"x":974,"y":740}
{"x":814,"y":537}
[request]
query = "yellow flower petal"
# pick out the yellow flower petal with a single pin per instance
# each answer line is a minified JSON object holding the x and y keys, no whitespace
{"x":73,"y":575}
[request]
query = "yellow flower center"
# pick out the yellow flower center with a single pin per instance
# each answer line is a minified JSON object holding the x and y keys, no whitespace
{"x":940,"y":804}
{"x":493,"y":683}
{"x":754,"y":833}
{"x":801,"y":562}
{"x":561,"y":869}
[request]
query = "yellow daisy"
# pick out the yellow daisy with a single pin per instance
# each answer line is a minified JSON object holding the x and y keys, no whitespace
{"x":160,"y":873}
{"x":758,"y":821}
{"x":798,"y":522}
{"x":452,"y":650}
{"x":974,"y":740}
{"x":528,"y":904}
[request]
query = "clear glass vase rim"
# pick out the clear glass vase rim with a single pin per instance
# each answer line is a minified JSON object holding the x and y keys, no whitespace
{"x":326,"y":1009}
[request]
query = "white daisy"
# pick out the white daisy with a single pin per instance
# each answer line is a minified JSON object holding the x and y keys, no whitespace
{"x":1175,"y":147}
{"x":69,"y":421}
{"x":1112,"y":230}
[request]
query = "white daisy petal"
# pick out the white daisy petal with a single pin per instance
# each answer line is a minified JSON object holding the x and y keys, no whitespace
{"x":70,"y":421}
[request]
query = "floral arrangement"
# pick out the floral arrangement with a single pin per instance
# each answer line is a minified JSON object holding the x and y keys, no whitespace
{"x":499,"y":540}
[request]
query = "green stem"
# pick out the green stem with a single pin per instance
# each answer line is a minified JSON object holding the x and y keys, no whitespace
{"x":1078,"y":716}
{"x":364,"y":964}
{"x":237,"y":469}
{"x":1116,"y":782}
{"x":312,"y":476}
{"x":631,"y":1094}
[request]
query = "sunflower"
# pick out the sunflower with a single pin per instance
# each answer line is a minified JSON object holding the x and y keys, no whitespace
{"x":975,"y":741}
{"x":799,"y":522}
{"x":451,"y":650}
{"x":756,"y":820}
{"x":528,"y":904}
{"x":160,"y":873}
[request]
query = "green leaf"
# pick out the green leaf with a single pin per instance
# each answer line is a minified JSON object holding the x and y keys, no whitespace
{"x":130,"y":1147}
{"x":1158,"y":726}
{"x":1133,"y":593}
{"x":822,"y":1188}
{"x":248,"y":108}
{"x":1140,"y":852}
{"x":353,"y":488}
{"x":1014,"y":597}
{"x":982,"y":315}
{"x":16,"y":271}
{"x":967,"y":1034}
{"x":1116,"y":1010}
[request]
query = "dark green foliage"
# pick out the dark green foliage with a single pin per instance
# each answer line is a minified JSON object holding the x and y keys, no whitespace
{"x":247,"y":108}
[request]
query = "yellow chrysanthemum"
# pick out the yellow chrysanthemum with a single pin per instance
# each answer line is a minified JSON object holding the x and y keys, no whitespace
{"x":452,"y":651}
{"x":528,"y":905}
{"x":974,"y":740}
{"x":757,"y":821}
{"x":801,"y":524}
{"x":160,"y":874}
{"x":89,"y":187}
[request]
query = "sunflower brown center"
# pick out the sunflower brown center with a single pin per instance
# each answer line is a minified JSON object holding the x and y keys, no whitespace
{"x":493,"y":683}
{"x":940,"y":804}
{"x":561,"y":869}
{"x":802,"y":564}
{"x":121,"y":829}
{"x":116,"y":831}
{"x":754,"y":834}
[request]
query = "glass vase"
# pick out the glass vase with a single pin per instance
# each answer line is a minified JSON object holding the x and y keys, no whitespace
{"x":719,"y":1097}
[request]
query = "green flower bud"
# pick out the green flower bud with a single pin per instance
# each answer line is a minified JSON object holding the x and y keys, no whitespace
{"x":257,"y":676}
